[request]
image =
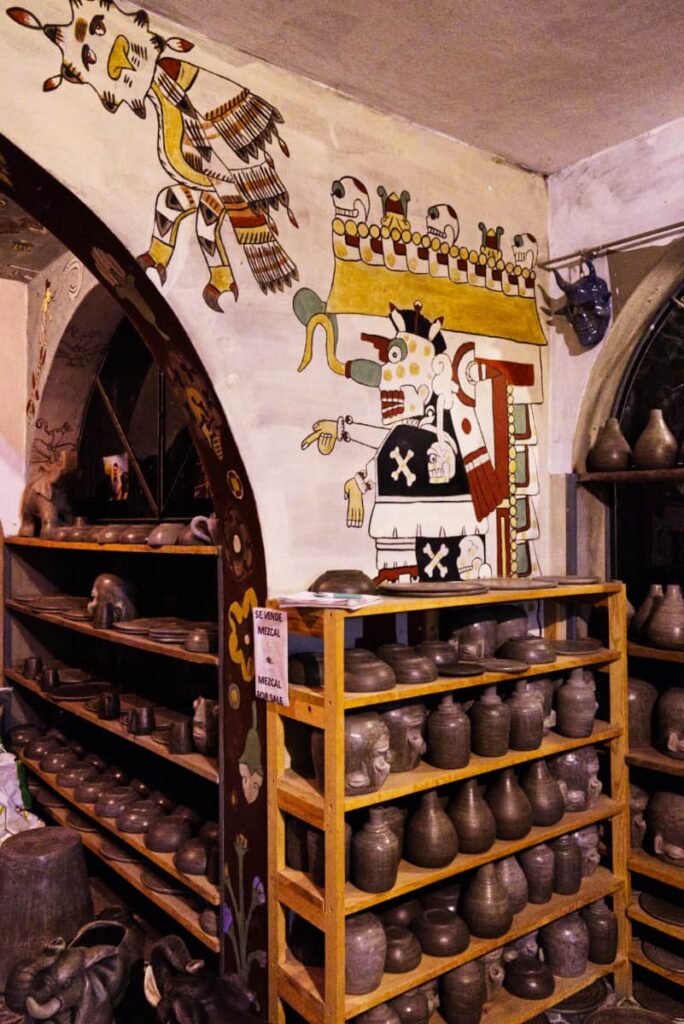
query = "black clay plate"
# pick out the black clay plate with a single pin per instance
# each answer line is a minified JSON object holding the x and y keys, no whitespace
{"x":161,"y":885}
{"x":79,"y":691}
{"x":425,"y":589}
{"x":458,"y":669}
{"x":663,"y":957}
{"x":583,"y":645}
{"x":81,"y":824}
{"x":662,"y":910}
{"x":121,"y":854}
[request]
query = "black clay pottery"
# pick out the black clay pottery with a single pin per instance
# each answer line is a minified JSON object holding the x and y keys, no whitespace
{"x":514,"y":881}
{"x":402,"y":913}
{"x":296,"y":852}
{"x":533,"y":650}
{"x":112,"y":802}
{"x":543,"y":793}
{"x":665,"y":821}
{"x":440,"y":932}
{"x":565,"y":943}
{"x":56,"y":760}
{"x":138,"y":816}
{"x":656,"y":446}
{"x":638,"y":800}
{"x":603,"y":932}
{"x":191,"y":857}
{"x":448,"y":735}
{"x":510,"y":807}
{"x":380,"y":1014}
{"x":166,"y":835}
{"x":445,"y":897}
{"x":412,"y":1007}
{"x":306,"y":668}
{"x":464,"y":993}
{"x":366,"y":751}
{"x":180,"y":737}
{"x":528,"y":978}
{"x":576,"y":772}
{"x":396,"y":819}
{"x":21,"y":735}
{"x":588,"y":841}
{"x":403,"y":950}
{"x":366,"y":673}
{"x":408,"y":667}
{"x":538,"y":864}
{"x":576,"y":705}
{"x":88,"y":791}
{"x":343,"y":581}
{"x":485,"y":905}
{"x":40,"y":746}
{"x":431,"y":840}
{"x":527,"y":718}
{"x":610,"y":451}
{"x":665,"y":627}
{"x":440,"y":651}
{"x":472,"y":818}
{"x":669,"y":723}
{"x":315,"y":841}
{"x":365,"y":952}
{"x":70,"y":777}
{"x":406,"y":726}
{"x":642,"y":698}
{"x":567,"y":865}
{"x":375,"y":854}
{"x":490,"y":721}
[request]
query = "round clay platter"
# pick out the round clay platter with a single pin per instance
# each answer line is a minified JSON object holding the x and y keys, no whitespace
{"x":118,"y":853}
{"x":67,"y":692}
{"x":461,"y":669}
{"x":161,"y":885}
{"x":58,"y":603}
{"x":138,"y":627}
{"x":662,"y":910}
{"x":583,"y":645}
{"x":515,"y":583}
{"x":508,"y":665}
{"x":77,"y":614}
{"x":658,"y":1002}
{"x":49,"y":799}
{"x":73,"y":675}
{"x":81,"y":824}
{"x":569,"y":581}
{"x":663,"y":957}
{"x":421,"y":589}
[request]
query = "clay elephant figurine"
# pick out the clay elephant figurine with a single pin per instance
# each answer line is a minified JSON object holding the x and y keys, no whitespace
{"x":81,"y":983}
{"x":111,"y":589}
{"x":184,"y":991}
{"x":45,"y":496}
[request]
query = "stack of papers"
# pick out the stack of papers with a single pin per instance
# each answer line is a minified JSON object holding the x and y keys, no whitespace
{"x":326,"y":599}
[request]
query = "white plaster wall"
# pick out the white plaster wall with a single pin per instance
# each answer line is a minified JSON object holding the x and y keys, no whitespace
{"x":622,"y":191}
{"x":252,"y":351}
{"x":13,"y":328}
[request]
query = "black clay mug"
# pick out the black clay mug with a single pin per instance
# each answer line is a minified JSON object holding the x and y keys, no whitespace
{"x":49,"y":679}
{"x":180,"y":737}
{"x":141,"y":720}
{"x":108,"y":706}
{"x":104,"y":616}
{"x":33,"y":666}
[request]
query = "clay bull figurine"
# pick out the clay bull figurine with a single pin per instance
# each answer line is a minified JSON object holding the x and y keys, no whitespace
{"x":45,"y":496}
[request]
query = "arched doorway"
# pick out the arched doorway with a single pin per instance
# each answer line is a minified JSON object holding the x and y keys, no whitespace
{"x":243,"y":573}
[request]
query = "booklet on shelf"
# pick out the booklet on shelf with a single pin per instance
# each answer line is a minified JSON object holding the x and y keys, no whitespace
{"x":326,"y":599}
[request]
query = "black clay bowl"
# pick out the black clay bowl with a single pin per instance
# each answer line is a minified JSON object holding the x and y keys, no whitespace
{"x":166,"y":835}
{"x":403,"y":950}
{"x":22,"y":735}
{"x":87,"y":792}
{"x":402,"y":913}
{"x":414,"y":669}
{"x":164,"y":801}
{"x":528,"y":978}
{"x":306,"y":669}
{"x":42,"y":745}
{"x":113,"y":802}
{"x":368,"y":676}
{"x":138,"y":816}
{"x":533,"y":650}
{"x":70,"y":778}
{"x":441,"y":652}
{"x":209,"y":832}
{"x":440,"y":932}
{"x":191,"y":857}
{"x":55,"y":760}
{"x":344,"y":581}
{"x":141,"y":788}
{"x":95,"y":762}
{"x":392,"y":652}
{"x":444,"y":898}
{"x":209,"y":921}
{"x":188,"y":814}
{"x":355,"y":656}
{"x":116,"y":776}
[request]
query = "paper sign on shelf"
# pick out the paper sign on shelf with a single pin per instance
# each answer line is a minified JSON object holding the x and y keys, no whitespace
{"x":270,"y":655}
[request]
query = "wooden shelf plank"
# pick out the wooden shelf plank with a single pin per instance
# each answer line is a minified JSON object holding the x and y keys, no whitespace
{"x":637,"y":956}
{"x":133,"y":549}
{"x":637,"y":913}
{"x":309,"y":620}
{"x":508,"y":1009}
{"x":305,"y":984}
{"x":197,"y":763}
{"x":647,"y":757}
{"x":174,"y":906}
{"x":115,"y":636}
{"x":297,"y":890}
{"x":633,"y":476}
{"x":657,"y":653}
{"x":198,"y":883}
{"x":651,"y":867}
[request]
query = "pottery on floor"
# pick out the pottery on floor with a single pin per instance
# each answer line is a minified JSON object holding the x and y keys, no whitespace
{"x":665,"y":627}
{"x":375,"y":854}
{"x":448,"y":735}
{"x":365,"y":952}
{"x":464,"y":993}
{"x":485,"y":906}
{"x":610,"y":451}
{"x":403,"y":950}
{"x":490,"y":721}
{"x":642,"y":696}
{"x":509,"y":805}
{"x":537,"y":864}
{"x":656,"y":447}
{"x":430,"y":839}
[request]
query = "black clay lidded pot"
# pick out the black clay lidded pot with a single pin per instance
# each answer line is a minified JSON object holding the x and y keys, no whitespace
{"x":448,"y":735}
{"x":375,"y":854}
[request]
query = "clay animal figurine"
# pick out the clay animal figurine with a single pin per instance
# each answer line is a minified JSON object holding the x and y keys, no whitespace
{"x":184,"y":991}
{"x":45,"y":496}
{"x":111,"y":589}
{"x":587,"y":308}
{"x":81,"y":983}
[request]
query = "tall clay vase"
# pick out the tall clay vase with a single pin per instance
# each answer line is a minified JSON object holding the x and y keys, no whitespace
{"x":375,"y":854}
{"x":566,"y":946}
{"x":448,"y":735}
{"x":514,"y":881}
{"x":610,"y":451}
{"x":472,"y":818}
{"x":44,"y":893}
{"x":464,"y":993}
{"x":431,"y":840}
{"x":567,"y":865}
{"x":365,"y":949}
{"x":485,"y":906}
{"x":527,"y":718}
{"x":544,"y":794}
{"x":645,"y":610}
{"x":656,"y":447}
{"x":665,"y":628}
{"x":510,"y":807}
{"x":576,"y":705}
{"x":642,"y":697}
{"x":603,"y":932}
{"x":538,"y":863}
{"x":490,"y":721}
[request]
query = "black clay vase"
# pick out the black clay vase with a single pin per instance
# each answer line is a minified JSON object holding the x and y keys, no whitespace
{"x":509,"y":805}
{"x":485,"y":908}
{"x":490,"y":721}
{"x":514,"y":881}
{"x":431,"y":840}
{"x":544,"y":794}
{"x":538,"y":863}
{"x":448,"y":735}
{"x":472,"y":818}
{"x":602,"y":925}
{"x":567,"y":865}
{"x":464,"y":993}
{"x":375,"y":854}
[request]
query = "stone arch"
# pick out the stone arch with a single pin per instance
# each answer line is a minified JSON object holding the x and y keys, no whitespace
{"x":242,"y":563}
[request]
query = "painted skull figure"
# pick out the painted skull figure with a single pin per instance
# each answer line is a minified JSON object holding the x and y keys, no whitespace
{"x":576,"y":773}
{"x":350,"y":198}
{"x":408,"y":367}
{"x":525,"y":250}
{"x":442,"y":223}
{"x":587,"y":308}
{"x":111,"y":589}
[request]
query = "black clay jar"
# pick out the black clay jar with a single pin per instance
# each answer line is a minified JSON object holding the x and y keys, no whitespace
{"x":490,"y":721}
{"x":375,"y":854}
{"x":403,"y":950}
{"x":485,"y":905}
{"x":514,"y":881}
{"x":510,"y":807}
{"x":166,"y":835}
{"x":538,"y":863}
{"x":603,"y":932}
{"x":412,"y":1007}
{"x":528,"y":978}
{"x":365,"y":952}
{"x":527,"y":718}
{"x":544,"y":794}
{"x":567,"y":865}
{"x":431,"y":840}
{"x":448,"y":735}
{"x":565,"y":943}
{"x":472,"y":818}
{"x":464,"y":993}
{"x":138,"y":816}
{"x":440,"y":932}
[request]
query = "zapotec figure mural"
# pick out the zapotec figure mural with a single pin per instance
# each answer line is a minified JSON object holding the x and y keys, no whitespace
{"x":447,"y":489}
{"x":213,"y":139}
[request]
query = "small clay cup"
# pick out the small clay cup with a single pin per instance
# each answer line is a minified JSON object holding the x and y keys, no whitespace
{"x":32,"y":666}
{"x":137,"y":817}
{"x":113,"y":802}
{"x":167,"y":835}
{"x":180,"y":737}
{"x":108,"y":707}
{"x":528,"y":978}
{"x":49,"y":679}
{"x":403,"y":950}
{"x":141,"y":720}
{"x":440,"y":932}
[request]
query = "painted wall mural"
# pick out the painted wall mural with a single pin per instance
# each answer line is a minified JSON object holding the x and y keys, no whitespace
{"x":447,"y":472}
{"x":213,"y":139}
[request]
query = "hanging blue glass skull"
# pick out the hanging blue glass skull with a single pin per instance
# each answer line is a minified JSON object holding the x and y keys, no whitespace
{"x":588,"y":306}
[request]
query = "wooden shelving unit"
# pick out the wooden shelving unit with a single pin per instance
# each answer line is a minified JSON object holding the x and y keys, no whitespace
{"x":318,"y":995}
{"x":656,"y":653}
{"x":634,"y":476}
{"x":647,"y":757}
{"x":637,"y":956}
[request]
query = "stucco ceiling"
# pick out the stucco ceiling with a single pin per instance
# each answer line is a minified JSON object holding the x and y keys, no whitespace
{"x":538,"y":82}
{"x":26,"y":247}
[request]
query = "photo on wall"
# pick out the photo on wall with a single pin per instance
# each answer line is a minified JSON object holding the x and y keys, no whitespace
{"x":116,"y":471}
